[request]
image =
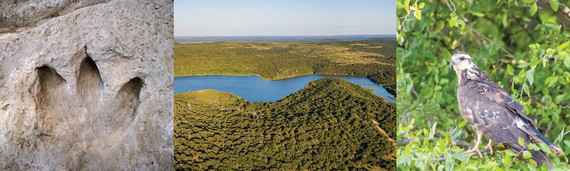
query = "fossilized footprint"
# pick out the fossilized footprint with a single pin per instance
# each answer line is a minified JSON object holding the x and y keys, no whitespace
{"x":83,"y":121}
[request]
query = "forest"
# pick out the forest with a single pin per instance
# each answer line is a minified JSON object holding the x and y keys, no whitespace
{"x":523,"y":46}
{"x":329,"y":124}
{"x":373,"y":58}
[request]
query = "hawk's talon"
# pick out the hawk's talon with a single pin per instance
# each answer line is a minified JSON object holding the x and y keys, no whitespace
{"x":490,"y":147}
{"x":476,"y":147}
{"x":476,"y":150}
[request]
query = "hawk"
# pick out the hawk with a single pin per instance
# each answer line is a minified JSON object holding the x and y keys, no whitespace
{"x":492,"y":112}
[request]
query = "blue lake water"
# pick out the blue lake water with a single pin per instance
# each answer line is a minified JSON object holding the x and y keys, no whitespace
{"x":255,"y":89}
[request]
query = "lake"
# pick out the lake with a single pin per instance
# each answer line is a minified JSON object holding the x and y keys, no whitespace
{"x":256,"y":89}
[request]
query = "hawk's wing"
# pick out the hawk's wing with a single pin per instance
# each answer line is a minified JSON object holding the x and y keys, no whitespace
{"x":498,"y":95}
{"x":489,"y":112}
{"x":495,"y":113}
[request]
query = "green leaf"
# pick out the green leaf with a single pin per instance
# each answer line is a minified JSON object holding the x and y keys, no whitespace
{"x":478,"y":14}
{"x":505,"y":20}
{"x":563,"y":54}
{"x":432,"y":132}
{"x":521,"y":75}
{"x":551,"y":80}
{"x":533,"y":9}
{"x":453,"y":22}
{"x":528,"y":1}
{"x":422,"y":5}
{"x":550,"y":52}
{"x":510,"y":70}
{"x":533,"y":62}
{"x":554,"y":5}
{"x":560,"y":136}
{"x":530,"y":77}
{"x":544,"y":148}
{"x":418,"y":14}
{"x":448,"y":163}
{"x":526,"y":90}
{"x":527,"y":155}
{"x":533,"y":147}
{"x":508,"y":159}
{"x":546,"y":99}
{"x":567,"y":62}
{"x":407,"y":5}
{"x":533,"y":46}
{"x":456,"y":134}
{"x":509,"y":152}
{"x":521,"y":141}
{"x":563,"y":45}
{"x":462,"y":124}
{"x":460,"y":157}
{"x":400,"y":39}
{"x":460,"y":22}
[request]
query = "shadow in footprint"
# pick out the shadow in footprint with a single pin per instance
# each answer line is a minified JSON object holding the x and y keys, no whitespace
{"x":89,"y":84}
{"x":127,"y":100}
{"x":52,"y":101}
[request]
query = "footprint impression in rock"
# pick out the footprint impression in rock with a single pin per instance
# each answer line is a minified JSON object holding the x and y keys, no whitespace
{"x":84,"y":116}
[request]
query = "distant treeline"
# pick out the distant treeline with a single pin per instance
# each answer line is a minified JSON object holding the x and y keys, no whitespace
{"x":374,"y":59}
{"x":330,"y":124}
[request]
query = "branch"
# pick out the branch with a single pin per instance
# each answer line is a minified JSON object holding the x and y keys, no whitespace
{"x":460,"y":143}
{"x":474,"y":153}
{"x":402,"y":26}
{"x":485,"y":39}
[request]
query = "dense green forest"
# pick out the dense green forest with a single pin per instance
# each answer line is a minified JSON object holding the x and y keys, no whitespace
{"x":373,"y":58}
{"x":521,"y":45}
{"x":329,"y":124}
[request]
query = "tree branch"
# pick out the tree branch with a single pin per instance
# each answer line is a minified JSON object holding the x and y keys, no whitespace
{"x":485,"y":39}
{"x":460,"y":143}
{"x":486,"y":150}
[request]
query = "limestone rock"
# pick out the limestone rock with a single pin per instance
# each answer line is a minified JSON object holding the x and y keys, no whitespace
{"x":86,"y":85}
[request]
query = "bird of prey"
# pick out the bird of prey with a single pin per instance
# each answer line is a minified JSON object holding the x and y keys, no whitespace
{"x":492,"y":112}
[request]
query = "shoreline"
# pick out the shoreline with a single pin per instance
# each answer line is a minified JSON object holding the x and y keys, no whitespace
{"x":277,"y":79}
{"x":266,"y":79}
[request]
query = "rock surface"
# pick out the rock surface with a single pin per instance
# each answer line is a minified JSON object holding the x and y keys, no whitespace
{"x":86,"y":85}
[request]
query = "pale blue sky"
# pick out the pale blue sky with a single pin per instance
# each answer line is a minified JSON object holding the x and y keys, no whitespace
{"x":283,"y":17}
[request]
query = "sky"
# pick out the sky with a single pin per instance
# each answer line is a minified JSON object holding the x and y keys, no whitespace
{"x":283,"y":17}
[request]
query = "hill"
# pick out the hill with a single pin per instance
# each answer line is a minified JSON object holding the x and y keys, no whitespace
{"x":329,"y":124}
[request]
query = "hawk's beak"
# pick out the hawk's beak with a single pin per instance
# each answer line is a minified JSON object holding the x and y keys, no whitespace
{"x":451,"y":64}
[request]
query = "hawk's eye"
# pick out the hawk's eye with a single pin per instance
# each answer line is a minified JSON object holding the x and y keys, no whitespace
{"x":462,"y":58}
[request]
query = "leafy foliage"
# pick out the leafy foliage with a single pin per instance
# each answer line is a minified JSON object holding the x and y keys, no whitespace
{"x":330,"y":124}
{"x":521,"y":45}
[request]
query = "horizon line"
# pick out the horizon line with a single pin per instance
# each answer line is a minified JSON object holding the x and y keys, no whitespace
{"x":289,"y":35}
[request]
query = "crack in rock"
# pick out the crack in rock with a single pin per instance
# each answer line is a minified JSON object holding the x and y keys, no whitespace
{"x":18,"y":14}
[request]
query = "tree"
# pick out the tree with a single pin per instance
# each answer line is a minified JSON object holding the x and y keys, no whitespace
{"x":521,"y":45}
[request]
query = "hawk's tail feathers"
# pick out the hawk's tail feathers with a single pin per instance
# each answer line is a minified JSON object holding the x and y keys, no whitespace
{"x":553,"y":147}
{"x":538,"y":156}
{"x":555,"y":150}
{"x":541,"y":158}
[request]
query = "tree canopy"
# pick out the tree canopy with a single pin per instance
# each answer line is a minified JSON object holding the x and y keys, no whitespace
{"x":329,"y":124}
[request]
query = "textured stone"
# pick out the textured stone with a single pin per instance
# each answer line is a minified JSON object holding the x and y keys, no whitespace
{"x":86,"y":85}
